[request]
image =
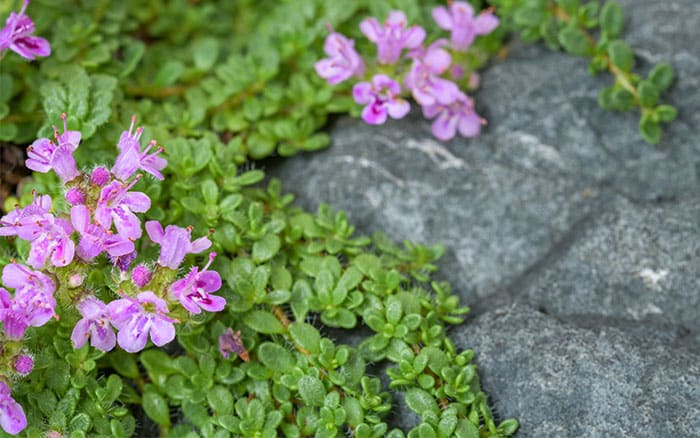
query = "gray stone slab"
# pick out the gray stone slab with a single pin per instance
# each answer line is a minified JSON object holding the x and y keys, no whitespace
{"x":638,"y":262}
{"x":564,"y":380}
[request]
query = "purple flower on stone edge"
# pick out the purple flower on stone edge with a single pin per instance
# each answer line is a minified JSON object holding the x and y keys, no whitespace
{"x":12,"y":418}
{"x":382,"y":97}
{"x":131,"y":157}
{"x":94,"y":239}
{"x":95,"y":324}
{"x":175,"y":243}
{"x":117,"y":204}
{"x":462,"y":23}
{"x":45,"y":155}
{"x":343,"y":61}
{"x":457,"y":116}
{"x":393,"y":36}
{"x":194,"y":290}
{"x":137,"y":318}
{"x":423,"y":80}
{"x":17,"y":36}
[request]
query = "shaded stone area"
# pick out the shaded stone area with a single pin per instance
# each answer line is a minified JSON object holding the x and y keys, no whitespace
{"x":576,"y":243}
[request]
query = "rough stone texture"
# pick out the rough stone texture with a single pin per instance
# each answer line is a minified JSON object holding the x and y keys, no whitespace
{"x":562,"y":380}
{"x":559,"y":206}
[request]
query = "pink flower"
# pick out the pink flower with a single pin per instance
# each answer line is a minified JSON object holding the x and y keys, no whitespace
{"x":95,"y":325}
{"x":131,"y":157}
{"x":457,"y":116}
{"x":45,"y":155}
{"x":137,"y":318}
{"x":23,"y":222}
{"x":33,"y":304}
{"x":118,"y":204}
{"x":12,"y":418}
{"x":464,"y":26}
{"x":94,"y":239}
{"x":393,"y":37}
{"x":194,"y":290}
{"x":51,"y":241}
{"x":423,"y":80}
{"x":17,"y":36}
{"x":343,"y":61}
{"x":382,"y":97}
{"x":175,"y":243}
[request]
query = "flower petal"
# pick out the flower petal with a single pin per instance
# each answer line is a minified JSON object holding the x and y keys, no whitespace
{"x":442,"y":17}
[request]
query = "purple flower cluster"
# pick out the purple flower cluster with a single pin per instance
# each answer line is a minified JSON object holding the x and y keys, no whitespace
{"x":103,"y":219}
{"x":416,"y":67}
{"x":17,"y":36}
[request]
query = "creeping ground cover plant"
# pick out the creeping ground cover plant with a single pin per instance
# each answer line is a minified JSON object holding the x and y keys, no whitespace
{"x":163,"y":288}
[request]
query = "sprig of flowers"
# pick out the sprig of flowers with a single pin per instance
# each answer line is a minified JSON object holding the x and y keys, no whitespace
{"x":66,"y":247}
{"x":403,"y":57}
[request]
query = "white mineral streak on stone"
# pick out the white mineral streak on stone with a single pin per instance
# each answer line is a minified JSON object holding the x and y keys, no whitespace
{"x":530,"y":152}
{"x":368,"y":164}
{"x":639,"y":312}
{"x":436,"y":152}
{"x":652,"y":278}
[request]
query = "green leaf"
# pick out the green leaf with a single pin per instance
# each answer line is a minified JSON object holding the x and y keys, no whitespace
{"x":570,"y":6}
{"x":621,"y":55}
{"x":210,"y":191}
{"x":622,"y":99}
{"x":263,"y":322}
{"x":205,"y":52}
{"x":266,"y":248}
{"x":466,"y":429}
{"x":156,"y":407}
{"x":169,"y":73}
{"x":312,"y":391}
{"x":508,"y":427}
{"x":666,"y":113}
{"x":306,"y":336}
{"x":220,"y":399}
{"x":575,"y":41}
{"x":529,"y":16}
{"x":648,"y":94}
{"x":342,"y":318}
{"x":275,"y":357}
{"x":196,"y":413}
{"x":650,"y":130}
{"x":611,"y":19}
{"x":661,"y":76}
{"x":133,"y":53}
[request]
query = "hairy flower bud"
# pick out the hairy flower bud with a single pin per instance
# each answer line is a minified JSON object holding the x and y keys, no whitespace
{"x":100,"y":176}
{"x":141,"y":275}
{"x":23,"y":364}
{"x":75,"y":197}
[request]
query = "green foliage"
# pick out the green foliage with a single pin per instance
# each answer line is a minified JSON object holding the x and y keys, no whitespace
{"x":571,"y":25}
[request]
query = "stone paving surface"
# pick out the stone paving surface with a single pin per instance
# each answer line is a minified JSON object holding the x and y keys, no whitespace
{"x":576,"y":243}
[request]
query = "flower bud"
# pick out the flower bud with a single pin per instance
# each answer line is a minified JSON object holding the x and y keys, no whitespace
{"x":141,"y":275}
{"x":23,"y":364}
{"x":100,"y":176}
{"x":75,"y":197}
{"x":75,"y":280}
